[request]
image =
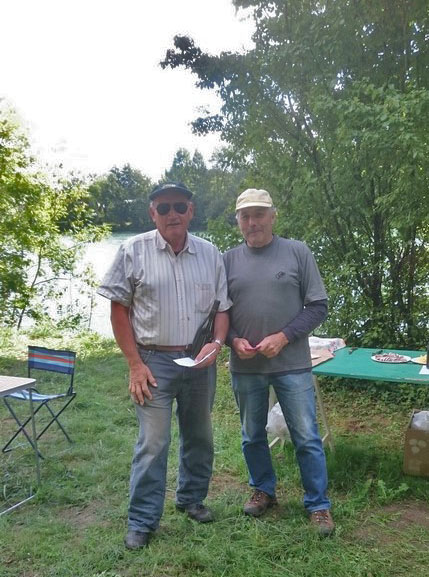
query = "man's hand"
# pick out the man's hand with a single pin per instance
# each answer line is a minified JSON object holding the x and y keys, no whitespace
{"x":271,"y":345}
{"x":211,"y":349}
{"x":140,"y":379}
{"x":244,"y":349}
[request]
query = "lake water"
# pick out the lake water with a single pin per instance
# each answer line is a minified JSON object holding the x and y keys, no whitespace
{"x":100,"y":256}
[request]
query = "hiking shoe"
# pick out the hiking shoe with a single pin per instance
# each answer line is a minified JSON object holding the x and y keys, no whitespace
{"x":136,"y":540}
{"x":322,"y":521}
{"x":258,"y":503}
{"x":197,"y":512}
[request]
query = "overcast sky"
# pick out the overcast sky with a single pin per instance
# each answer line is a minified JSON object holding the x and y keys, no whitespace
{"x":84,"y":76}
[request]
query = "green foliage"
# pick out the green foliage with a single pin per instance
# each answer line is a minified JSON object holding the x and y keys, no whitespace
{"x":387,"y":494}
{"x":223,"y":234}
{"x":35,"y":216}
{"x":120,"y":199}
{"x":329,"y":112}
{"x":390,"y":394}
{"x":194,"y":173}
{"x":215,"y":189}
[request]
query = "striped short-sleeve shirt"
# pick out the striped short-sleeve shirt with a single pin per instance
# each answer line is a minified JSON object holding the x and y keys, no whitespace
{"x":168,"y":295}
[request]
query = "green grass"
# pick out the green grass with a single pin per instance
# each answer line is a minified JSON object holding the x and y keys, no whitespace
{"x":76,"y":524}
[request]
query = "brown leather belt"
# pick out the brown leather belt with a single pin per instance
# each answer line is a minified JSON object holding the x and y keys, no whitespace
{"x":166,"y":348}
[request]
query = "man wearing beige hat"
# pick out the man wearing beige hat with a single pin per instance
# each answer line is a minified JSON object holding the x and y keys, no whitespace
{"x":278,"y":300}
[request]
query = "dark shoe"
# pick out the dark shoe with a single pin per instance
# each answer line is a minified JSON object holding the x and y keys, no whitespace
{"x":136,"y":540}
{"x":197,"y":512}
{"x":258,"y":503}
{"x":323,"y":523}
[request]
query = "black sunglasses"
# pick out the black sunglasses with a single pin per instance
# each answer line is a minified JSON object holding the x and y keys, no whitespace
{"x":164,"y":208}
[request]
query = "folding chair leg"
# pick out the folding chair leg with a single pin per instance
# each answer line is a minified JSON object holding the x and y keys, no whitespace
{"x":21,"y":429}
{"x":55,"y":419}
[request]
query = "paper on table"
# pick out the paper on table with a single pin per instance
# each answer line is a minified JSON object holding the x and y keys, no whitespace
{"x":424,"y":371}
{"x":189,"y":362}
{"x":320,"y":356}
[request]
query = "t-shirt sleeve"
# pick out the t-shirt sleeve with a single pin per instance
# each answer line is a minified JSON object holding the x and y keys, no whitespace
{"x":312,"y":287}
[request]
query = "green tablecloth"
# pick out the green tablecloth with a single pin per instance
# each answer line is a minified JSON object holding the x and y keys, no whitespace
{"x":359,"y":365}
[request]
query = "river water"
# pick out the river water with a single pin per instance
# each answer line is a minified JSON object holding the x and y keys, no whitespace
{"x":100,"y":255}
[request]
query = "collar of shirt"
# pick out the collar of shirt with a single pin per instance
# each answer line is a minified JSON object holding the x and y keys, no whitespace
{"x":162,"y":244}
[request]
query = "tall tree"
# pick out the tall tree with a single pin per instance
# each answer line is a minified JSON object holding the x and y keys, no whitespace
{"x":194,"y":173}
{"x":330,"y":111}
{"x":34,"y":217}
{"x":215,"y":188}
{"x":120,"y":199}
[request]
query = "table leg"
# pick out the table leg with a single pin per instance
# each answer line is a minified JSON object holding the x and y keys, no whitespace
{"x":327,"y":437}
{"x":36,"y":454}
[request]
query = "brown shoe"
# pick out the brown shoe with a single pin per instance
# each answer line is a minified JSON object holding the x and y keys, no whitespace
{"x":322,"y":521}
{"x":258,"y":503}
{"x":197,"y":512}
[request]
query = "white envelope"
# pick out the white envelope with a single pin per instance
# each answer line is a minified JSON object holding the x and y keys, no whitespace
{"x":189,"y":362}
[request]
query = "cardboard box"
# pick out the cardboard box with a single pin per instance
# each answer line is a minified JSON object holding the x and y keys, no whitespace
{"x":416,"y":451}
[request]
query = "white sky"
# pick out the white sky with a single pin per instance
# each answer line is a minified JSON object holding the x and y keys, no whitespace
{"x":85,"y":79}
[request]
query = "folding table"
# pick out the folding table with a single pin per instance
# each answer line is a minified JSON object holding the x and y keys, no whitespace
{"x":9,"y":385}
{"x":356,"y":363}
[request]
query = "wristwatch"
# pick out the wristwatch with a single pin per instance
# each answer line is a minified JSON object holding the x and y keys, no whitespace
{"x":218,"y":342}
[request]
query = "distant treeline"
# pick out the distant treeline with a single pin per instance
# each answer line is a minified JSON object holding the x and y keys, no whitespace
{"x":120,"y":198}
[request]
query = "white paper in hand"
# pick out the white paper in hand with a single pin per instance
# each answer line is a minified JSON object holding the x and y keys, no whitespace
{"x":189,"y":362}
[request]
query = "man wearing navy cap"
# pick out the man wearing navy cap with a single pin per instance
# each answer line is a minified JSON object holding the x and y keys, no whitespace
{"x":162,"y":285}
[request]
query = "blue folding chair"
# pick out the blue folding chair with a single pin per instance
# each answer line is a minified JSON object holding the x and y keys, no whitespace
{"x":43,"y":359}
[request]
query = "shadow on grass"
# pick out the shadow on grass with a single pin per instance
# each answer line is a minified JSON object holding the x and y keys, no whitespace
{"x":354,"y":462}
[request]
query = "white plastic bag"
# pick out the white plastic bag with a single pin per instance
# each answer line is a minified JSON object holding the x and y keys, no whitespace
{"x":332,"y":345}
{"x":420,"y":421}
{"x":276,"y":424}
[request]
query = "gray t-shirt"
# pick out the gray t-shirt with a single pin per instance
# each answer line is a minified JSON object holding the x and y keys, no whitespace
{"x":269,"y":287}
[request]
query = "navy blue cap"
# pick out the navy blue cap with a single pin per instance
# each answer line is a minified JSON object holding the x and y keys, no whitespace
{"x":170,"y":187}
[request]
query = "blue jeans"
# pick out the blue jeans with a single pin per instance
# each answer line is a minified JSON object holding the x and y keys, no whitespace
{"x":194,"y":391}
{"x":295,"y":393}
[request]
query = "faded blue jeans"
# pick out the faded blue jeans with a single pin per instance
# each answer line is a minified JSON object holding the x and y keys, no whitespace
{"x":295,"y":393}
{"x":194,"y":391}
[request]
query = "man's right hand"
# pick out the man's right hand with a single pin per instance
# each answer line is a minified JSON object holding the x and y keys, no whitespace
{"x":140,"y":380}
{"x":244,"y":349}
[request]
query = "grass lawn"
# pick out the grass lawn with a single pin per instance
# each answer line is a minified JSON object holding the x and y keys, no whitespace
{"x":76,"y":524}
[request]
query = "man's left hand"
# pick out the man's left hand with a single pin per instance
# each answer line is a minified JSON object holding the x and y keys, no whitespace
{"x":212,"y":348}
{"x":271,"y":345}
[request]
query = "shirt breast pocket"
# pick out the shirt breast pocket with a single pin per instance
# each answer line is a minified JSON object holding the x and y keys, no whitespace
{"x":204,"y":296}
